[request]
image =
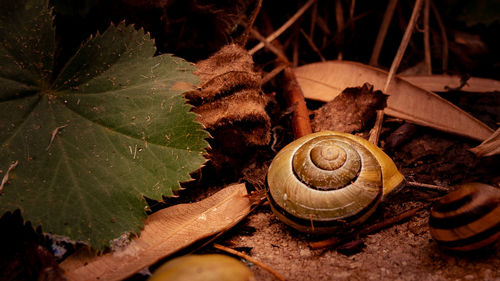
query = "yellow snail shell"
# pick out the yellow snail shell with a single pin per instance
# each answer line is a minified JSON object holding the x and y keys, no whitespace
{"x":203,"y":268}
{"x":329,"y":180}
{"x":468,"y":218}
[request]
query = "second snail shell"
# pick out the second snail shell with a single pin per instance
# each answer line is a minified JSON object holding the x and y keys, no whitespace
{"x":468,"y":218}
{"x":329,"y":180}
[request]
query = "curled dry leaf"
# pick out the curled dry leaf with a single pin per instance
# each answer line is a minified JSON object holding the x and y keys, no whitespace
{"x":230,"y":96}
{"x":349,"y":111}
{"x":489,"y":147}
{"x":230,"y":103}
{"x":164,"y":233}
{"x":323,"y":81}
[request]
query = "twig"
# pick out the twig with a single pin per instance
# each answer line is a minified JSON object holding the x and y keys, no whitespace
{"x":279,"y":53}
{"x":284,"y":27}
{"x":244,"y":37}
{"x":273,"y":73}
{"x":375,"y":132}
{"x":250,"y":259}
{"x":301,"y":123}
{"x":323,"y":26}
{"x":339,"y":17}
{"x":351,"y":9}
{"x":312,"y":45}
{"x":389,"y":12}
{"x":404,"y":43}
{"x":314,"y":15}
{"x":6,"y":176}
{"x":442,"y":29}
{"x":427,"y":43}
{"x":426,"y":186}
{"x":295,"y":57}
{"x":334,"y":241}
{"x":293,"y":95}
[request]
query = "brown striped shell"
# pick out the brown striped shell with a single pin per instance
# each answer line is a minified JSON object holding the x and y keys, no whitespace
{"x":468,"y":218}
{"x":329,"y":180}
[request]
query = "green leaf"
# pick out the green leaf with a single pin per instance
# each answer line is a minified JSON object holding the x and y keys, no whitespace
{"x":110,"y":129}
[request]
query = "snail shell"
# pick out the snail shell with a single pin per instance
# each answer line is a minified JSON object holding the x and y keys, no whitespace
{"x":203,"y":267}
{"x":329,"y":180}
{"x":468,"y":218}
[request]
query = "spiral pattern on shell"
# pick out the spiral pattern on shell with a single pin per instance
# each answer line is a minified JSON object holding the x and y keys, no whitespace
{"x":328,"y":180}
{"x":468,"y":218}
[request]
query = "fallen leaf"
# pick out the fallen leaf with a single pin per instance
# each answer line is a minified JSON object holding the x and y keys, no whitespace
{"x":325,"y":80}
{"x":164,"y":233}
{"x":441,"y":83}
{"x":489,"y":147}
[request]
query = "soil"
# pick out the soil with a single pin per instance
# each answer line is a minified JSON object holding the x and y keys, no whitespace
{"x":402,"y":252}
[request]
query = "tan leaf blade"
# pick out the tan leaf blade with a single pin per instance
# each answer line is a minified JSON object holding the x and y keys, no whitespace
{"x":440,"y":83}
{"x":489,"y":147}
{"x":325,"y":80}
{"x":164,"y":233}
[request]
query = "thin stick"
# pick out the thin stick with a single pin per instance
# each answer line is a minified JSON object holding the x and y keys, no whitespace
{"x":375,"y":132}
{"x":284,"y":27}
{"x":301,"y":124}
{"x":377,"y":48}
{"x":404,"y":43}
{"x":323,"y":26}
{"x":442,"y":29}
{"x":250,"y":259}
{"x":314,"y":15}
{"x":427,"y":43}
{"x":339,"y":17}
{"x":6,"y":176}
{"x":312,"y":45}
{"x":244,"y":37}
{"x":426,"y":186}
{"x":334,"y":241}
{"x":279,"y":53}
{"x":351,"y":9}
{"x":294,"y":97}
{"x":273,"y":73}
{"x":295,"y":57}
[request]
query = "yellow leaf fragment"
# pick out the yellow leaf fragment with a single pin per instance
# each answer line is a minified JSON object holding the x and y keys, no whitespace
{"x":164,"y":233}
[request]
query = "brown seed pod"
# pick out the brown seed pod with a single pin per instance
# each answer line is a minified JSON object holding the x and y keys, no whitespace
{"x":329,"y":180}
{"x":468,"y":218}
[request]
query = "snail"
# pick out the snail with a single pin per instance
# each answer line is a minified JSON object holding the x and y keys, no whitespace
{"x":209,"y":267}
{"x":327,"y":181}
{"x":468,"y":218}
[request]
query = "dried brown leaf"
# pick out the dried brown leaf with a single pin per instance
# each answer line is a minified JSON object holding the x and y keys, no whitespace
{"x":229,"y":101}
{"x":323,"y":81}
{"x":164,"y":233}
{"x":350,"y":111}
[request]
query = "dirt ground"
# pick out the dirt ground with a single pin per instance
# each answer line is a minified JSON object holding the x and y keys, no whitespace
{"x":402,"y":252}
